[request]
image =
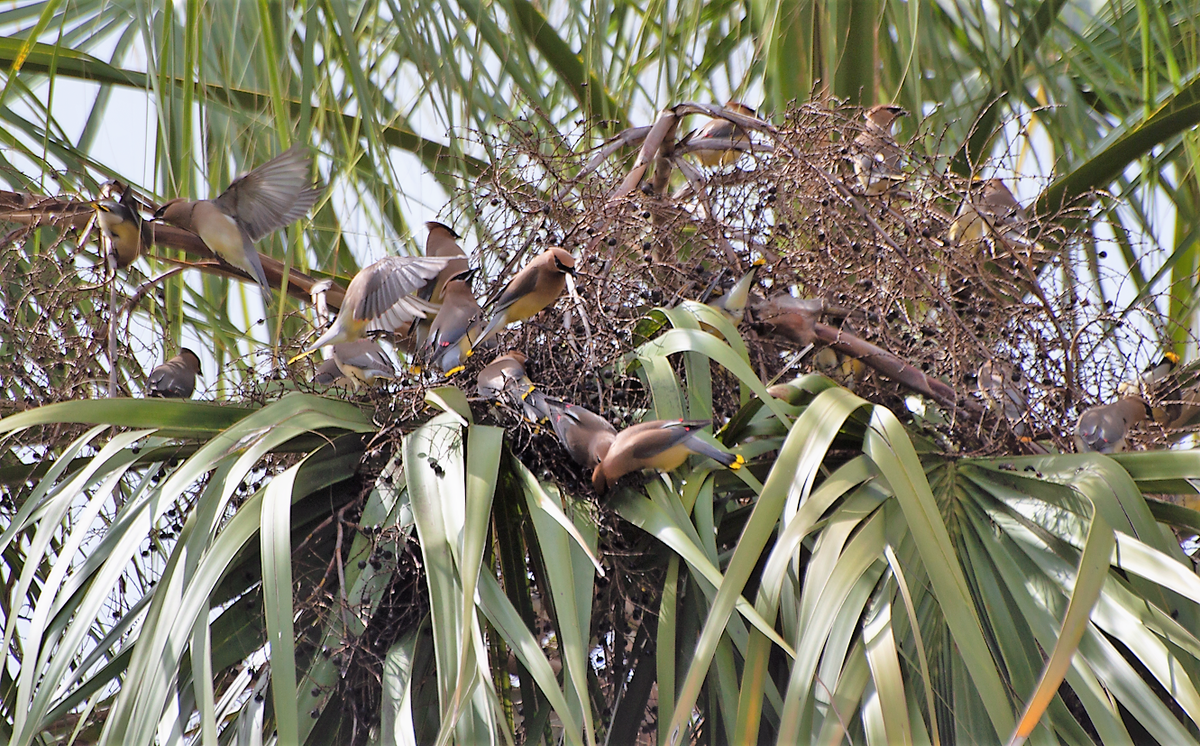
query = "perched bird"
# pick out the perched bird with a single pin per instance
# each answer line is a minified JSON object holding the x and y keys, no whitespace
{"x":733,"y":303}
{"x":876,"y":157}
{"x":1103,"y":429}
{"x":328,"y":374}
{"x":275,"y":194}
{"x":442,"y":241}
{"x":380,"y":298}
{"x":504,"y":379}
{"x":658,"y":444}
{"x":998,"y":388}
{"x":362,"y":362}
{"x":585,"y":434}
{"x":989,"y":209}
{"x":722,"y":129}
{"x":122,"y":225}
{"x":792,"y":319}
{"x":1143,"y":386}
{"x":536,"y":286}
{"x":452,"y":334}
{"x":176,"y":378}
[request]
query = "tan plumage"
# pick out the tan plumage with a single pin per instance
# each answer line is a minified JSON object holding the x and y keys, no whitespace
{"x":876,"y":156}
{"x":1103,"y":429}
{"x":274,"y":195}
{"x":733,"y":303}
{"x":658,"y":444}
{"x":504,"y":379}
{"x":122,"y":226}
{"x":793,"y":319}
{"x":176,"y":378}
{"x":998,"y":388}
{"x":380,"y":298}
{"x":362,"y":362}
{"x":585,"y":434}
{"x":443,"y":241}
{"x":536,"y":286}
{"x":989,"y":209}
{"x":455,"y":327}
{"x":722,"y":129}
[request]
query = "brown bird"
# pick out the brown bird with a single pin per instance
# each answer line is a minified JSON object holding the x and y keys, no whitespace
{"x":504,"y":379}
{"x":722,"y":129}
{"x":176,"y":378}
{"x":585,"y":434}
{"x":1103,"y":429}
{"x":455,"y":328}
{"x":792,"y":319}
{"x":536,"y":286}
{"x":658,"y":444}
{"x":122,"y":225}
{"x":274,"y":195}
{"x":362,"y":362}
{"x":989,"y":209}
{"x":380,"y":298}
{"x":999,"y":390}
{"x":442,"y":241}
{"x":328,"y":374}
{"x":876,"y":157}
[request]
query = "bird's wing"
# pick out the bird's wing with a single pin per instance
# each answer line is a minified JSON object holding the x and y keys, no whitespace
{"x":520,"y":286}
{"x":275,"y":194}
{"x":369,"y":357}
{"x":387,"y":300}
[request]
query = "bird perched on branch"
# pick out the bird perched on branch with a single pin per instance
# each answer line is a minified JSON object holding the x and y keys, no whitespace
{"x":455,"y":328}
{"x":274,"y":195}
{"x":536,"y":286}
{"x":362,"y":362}
{"x":989,"y":209}
{"x":585,"y":434}
{"x":176,"y":378}
{"x":380,"y":298}
{"x":876,"y":156}
{"x":1103,"y":429}
{"x":1155,"y":373}
{"x":998,"y":388}
{"x":718,"y":128}
{"x":658,"y":444}
{"x":504,"y":379}
{"x":733,"y":303}
{"x":121,"y":223}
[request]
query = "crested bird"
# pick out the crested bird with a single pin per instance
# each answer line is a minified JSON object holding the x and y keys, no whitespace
{"x":452,"y":333}
{"x":122,"y":224}
{"x":876,"y":156}
{"x":718,"y":128}
{"x":657,"y":444}
{"x":442,"y":241}
{"x":585,"y":434}
{"x":732,"y":304}
{"x":362,"y":362}
{"x":989,"y":209}
{"x":536,"y":286}
{"x":505,"y":379}
{"x":998,"y":388}
{"x":1155,"y":373}
{"x":328,"y":373}
{"x":176,"y":378}
{"x":380,"y":298}
{"x":274,"y":195}
{"x":1103,"y":429}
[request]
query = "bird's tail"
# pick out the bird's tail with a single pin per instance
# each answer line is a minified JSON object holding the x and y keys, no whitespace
{"x":534,"y":404}
{"x":726,"y":459}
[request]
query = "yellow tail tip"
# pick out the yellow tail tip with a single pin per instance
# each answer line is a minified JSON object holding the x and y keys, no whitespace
{"x":1173,"y":358}
{"x":455,"y":369}
{"x":470,"y":351}
{"x":758,"y":262}
{"x":414,"y":370}
{"x":737,"y":462}
{"x":527,"y":393}
{"x":301,"y":356}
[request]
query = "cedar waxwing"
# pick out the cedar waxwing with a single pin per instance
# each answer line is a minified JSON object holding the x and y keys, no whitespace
{"x":722,"y":129}
{"x":535,"y":287}
{"x":274,"y":195}
{"x":380,"y":299}
{"x":658,"y":444}
{"x":122,"y":224}
{"x":442,"y":241}
{"x":585,"y":434}
{"x":793,"y":319}
{"x":454,"y":329}
{"x":1103,"y":429}
{"x":1154,"y":374}
{"x":846,"y":370}
{"x":1002,"y":394}
{"x":505,"y":378}
{"x":176,"y":378}
{"x":362,"y":361}
{"x":328,"y":374}
{"x":733,"y":303}
{"x":876,"y":157}
{"x":989,"y":208}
